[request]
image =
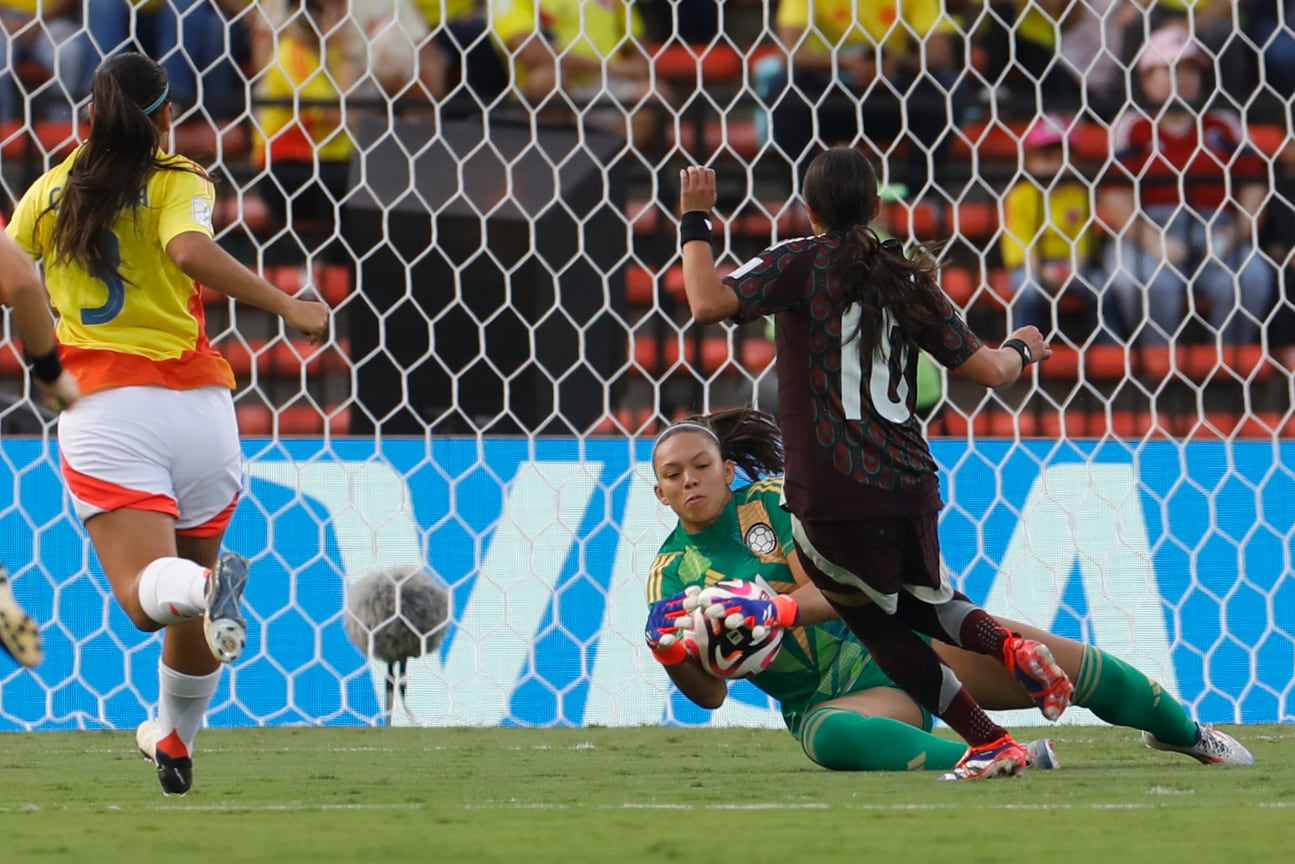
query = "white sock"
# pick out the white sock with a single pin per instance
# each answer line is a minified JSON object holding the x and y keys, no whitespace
{"x":173,"y":589}
{"x":182,"y":702}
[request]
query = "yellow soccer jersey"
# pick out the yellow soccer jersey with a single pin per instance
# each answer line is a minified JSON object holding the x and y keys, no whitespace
{"x":294,"y":135}
{"x":1052,"y":223}
{"x":834,"y":24}
{"x":146,"y":327}
{"x":594,"y":31}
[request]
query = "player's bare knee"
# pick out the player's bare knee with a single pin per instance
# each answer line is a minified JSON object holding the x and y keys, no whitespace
{"x":139,"y":617}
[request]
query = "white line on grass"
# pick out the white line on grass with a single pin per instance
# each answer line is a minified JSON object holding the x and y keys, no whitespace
{"x":302,"y":807}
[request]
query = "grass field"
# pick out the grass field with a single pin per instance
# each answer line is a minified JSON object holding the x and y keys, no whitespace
{"x":626,"y":795}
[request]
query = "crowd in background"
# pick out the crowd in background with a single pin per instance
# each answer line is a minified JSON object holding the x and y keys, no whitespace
{"x":1185,"y":222}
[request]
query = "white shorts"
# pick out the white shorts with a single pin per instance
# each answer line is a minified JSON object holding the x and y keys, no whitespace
{"x":150,"y":448}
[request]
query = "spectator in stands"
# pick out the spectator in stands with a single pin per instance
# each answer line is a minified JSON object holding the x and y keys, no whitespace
{"x":302,"y":139}
{"x":1182,"y":199}
{"x":579,"y":55}
{"x":1021,"y":43}
{"x":53,"y":42}
{"x":1215,"y":25}
{"x":1271,"y":25}
{"x":1047,"y":241}
{"x":201,"y":43}
{"x":444,"y":44}
{"x":891,"y":64}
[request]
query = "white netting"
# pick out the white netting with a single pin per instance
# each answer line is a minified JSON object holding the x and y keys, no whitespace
{"x":510,"y":320}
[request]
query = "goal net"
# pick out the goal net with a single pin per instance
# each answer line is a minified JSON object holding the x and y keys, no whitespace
{"x":510,"y":328}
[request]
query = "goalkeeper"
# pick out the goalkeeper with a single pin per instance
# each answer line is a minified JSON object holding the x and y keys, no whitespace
{"x":845,"y":712}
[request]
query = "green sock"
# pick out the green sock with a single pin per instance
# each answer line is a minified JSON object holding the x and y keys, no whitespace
{"x":845,"y":741}
{"x":1123,"y":696}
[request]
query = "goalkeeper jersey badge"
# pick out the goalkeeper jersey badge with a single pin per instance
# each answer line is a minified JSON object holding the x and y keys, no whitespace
{"x":761,"y":539}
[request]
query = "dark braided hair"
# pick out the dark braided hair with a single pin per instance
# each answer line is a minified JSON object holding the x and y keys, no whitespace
{"x":748,"y":437}
{"x":114,"y":165}
{"x":841,"y":189}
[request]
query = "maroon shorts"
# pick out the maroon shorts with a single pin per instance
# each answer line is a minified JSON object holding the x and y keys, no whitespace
{"x":886,"y":556}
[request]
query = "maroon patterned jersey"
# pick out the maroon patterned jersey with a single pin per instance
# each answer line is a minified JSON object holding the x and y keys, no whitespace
{"x":853,"y":444}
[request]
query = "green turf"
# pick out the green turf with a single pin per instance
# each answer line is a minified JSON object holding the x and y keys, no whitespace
{"x":626,"y":795}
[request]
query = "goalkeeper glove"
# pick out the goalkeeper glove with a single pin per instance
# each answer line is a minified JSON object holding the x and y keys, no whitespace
{"x":758,"y":614}
{"x":663,"y":626}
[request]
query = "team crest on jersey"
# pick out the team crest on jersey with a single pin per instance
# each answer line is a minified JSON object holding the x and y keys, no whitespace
{"x":761,"y":539}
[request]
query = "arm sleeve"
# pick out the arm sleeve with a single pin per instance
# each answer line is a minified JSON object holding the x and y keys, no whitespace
{"x":776,"y":279}
{"x":952,"y":343}
{"x":187,"y":206}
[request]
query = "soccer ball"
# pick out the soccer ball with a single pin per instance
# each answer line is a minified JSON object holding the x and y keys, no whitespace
{"x":731,"y":652}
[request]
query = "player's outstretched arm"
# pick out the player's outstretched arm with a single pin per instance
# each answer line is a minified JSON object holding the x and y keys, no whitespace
{"x":709,"y":300}
{"x":22,"y":290}
{"x":999,"y":367}
{"x":203,"y":260}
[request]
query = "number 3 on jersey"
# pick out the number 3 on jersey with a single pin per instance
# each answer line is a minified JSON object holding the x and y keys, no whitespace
{"x":116,"y":287}
{"x":887,"y":383}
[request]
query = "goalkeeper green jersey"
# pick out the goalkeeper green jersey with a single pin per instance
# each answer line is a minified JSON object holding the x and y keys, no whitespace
{"x":752,"y":540}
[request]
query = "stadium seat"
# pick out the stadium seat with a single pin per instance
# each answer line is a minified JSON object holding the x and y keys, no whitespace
{"x":966,"y":287}
{"x":957,"y":425}
{"x":203,"y":142}
{"x":738,"y":136}
{"x":754,"y":355}
{"x":12,"y":364}
{"x":755,"y":221}
{"x":258,"y":419}
{"x":641,"y":283}
{"x":250,"y":211}
{"x":708,"y":63}
{"x":281,"y":358}
{"x":996,"y":140}
{"x":632,"y":421}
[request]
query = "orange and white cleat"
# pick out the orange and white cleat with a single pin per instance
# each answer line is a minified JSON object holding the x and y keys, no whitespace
{"x":1002,"y":758}
{"x":1043,"y":679}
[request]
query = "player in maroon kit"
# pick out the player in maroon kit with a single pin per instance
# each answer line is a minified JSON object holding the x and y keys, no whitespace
{"x":852,"y":312}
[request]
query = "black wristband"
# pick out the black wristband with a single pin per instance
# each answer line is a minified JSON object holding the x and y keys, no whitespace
{"x":1021,"y":348}
{"x":694,"y":225}
{"x":46,"y":368}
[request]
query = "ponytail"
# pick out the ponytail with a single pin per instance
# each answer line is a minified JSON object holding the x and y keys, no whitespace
{"x":841,"y":190}
{"x":113,"y":167}
{"x":747,"y":437}
{"x":881,"y":278}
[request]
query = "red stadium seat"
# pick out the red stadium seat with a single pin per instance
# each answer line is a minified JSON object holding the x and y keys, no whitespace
{"x":299,"y":419}
{"x":711,"y":63}
{"x":754,"y":355}
{"x":285,"y":359}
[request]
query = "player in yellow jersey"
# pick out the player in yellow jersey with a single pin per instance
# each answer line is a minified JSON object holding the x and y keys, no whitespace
{"x":150,"y":453}
{"x":20,"y":289}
